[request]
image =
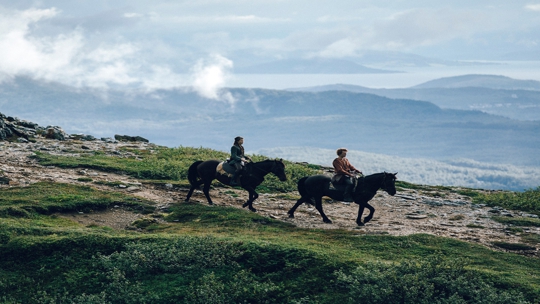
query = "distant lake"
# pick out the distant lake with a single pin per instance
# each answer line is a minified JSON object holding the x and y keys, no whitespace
{"x":411,"y":76}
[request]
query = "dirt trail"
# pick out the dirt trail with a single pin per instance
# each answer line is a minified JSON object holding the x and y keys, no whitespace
{"x":408,"y":212}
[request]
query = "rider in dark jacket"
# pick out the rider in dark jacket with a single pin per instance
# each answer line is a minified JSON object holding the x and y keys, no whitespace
{"x":237,"y":159}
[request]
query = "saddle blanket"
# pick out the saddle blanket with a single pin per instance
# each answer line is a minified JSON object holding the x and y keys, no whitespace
{"x":223,"y":168}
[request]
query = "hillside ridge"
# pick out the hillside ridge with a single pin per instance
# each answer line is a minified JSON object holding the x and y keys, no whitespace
{"x":431,"y":210}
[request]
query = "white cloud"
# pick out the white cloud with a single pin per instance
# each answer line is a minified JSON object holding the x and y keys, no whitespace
{"x":463,"y":172}
{"x":210,"y":76}
{"x":69,"y":57}
{"x":533,"y":7}
{"x":293,"y":119}
{"x":408,"y":30}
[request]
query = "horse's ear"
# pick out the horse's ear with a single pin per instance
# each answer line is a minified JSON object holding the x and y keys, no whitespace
{"x":395,"y":173}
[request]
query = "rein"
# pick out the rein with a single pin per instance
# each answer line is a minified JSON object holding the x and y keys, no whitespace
{"x":265,"y":172}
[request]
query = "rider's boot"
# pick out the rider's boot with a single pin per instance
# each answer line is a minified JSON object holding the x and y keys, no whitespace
{"x":234,"y":177}
{"x":347,"y":197}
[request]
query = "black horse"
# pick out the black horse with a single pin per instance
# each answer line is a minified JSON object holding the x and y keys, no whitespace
{"x":204,"y":172}
{"x":317,"y":186}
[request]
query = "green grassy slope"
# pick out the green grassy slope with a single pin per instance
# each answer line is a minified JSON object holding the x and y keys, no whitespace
{"x":209,"y":254}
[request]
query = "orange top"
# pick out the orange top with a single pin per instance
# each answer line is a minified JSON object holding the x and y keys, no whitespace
{"x":343,"y":166}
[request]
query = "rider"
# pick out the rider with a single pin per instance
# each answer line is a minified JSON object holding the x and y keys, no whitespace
{"x":344,"y":173}
{"x":238,"y":158}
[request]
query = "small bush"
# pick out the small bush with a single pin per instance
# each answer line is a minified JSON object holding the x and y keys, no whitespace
{"x":431,"y":280}
{"x":513,"y":246}
{"x":528,"y":201}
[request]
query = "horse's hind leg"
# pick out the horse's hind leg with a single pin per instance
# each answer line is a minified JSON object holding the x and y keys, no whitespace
{"x":293,"y":209}
{"x":193,"y":187}
{"x":318,"y":206}
{"x":371,"y":212}
{"x":206,"y":191}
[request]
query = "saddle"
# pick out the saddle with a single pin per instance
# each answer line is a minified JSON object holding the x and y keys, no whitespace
{"x":223,"y":168}
{"x":339,"y":186}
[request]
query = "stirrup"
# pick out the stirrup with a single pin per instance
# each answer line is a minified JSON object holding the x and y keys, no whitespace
{"x":348,"y":199}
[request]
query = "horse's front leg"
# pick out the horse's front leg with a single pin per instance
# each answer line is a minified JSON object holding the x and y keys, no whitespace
{"x":371,"y":212}
{"x":361,"y":207}
{"x":252,"y":197}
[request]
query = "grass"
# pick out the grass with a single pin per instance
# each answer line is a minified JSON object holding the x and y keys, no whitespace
{"x":528,"y":201}
{"x":47,"y":198}
{"x":211,"y":254}
{"x":518,"y":221}
{"x":206,"y":252}
{"x":163,"y":165}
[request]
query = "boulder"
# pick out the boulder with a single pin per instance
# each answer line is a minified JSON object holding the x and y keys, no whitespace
{"x":130,"y":138}
{"x":12,"y":128}
{"x":55,"y":132}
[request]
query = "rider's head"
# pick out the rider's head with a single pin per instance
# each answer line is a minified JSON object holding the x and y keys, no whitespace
{"x":238,"y":140}
{"x":340,"y":150}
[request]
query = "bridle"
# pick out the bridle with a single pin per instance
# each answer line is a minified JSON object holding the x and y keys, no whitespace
{"x":383,"y":183}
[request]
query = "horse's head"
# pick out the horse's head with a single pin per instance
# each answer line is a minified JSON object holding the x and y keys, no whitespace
{"x":278,"y":168}
{"x":389,"y":183}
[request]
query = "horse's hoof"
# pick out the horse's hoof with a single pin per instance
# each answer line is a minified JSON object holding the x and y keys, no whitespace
{"x":291,"y":215}
{"x":360,"y":224}
{"x":245,"y":205}
{"x":367,"y":219}
{"x":253,"y":209}
{"x":327,"y":221}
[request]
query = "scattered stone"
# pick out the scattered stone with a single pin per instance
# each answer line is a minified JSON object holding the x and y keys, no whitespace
{"x":407,"y":197}
{"x":416,"y":216}
{"x":4,"y":180}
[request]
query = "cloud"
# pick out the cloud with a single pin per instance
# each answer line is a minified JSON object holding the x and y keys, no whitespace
{"x":69,"y":58}
{"x":462,"y":172}
{"x":533,"y":7}
{"x":210,"y":76}
{"x":407,"y":30}
{"x":294,"y":119}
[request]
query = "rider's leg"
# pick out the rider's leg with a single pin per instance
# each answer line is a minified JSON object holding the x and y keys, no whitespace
{"x":236,"y":174}
{"x":349,"y":185}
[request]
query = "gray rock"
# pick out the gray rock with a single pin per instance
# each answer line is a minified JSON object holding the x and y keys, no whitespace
{"x":130,"y":138}
{"x":55,"y":132}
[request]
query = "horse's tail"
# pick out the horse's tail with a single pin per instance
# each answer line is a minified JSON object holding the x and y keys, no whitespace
{"x":302,"y":187}
{"x":192,"y":173}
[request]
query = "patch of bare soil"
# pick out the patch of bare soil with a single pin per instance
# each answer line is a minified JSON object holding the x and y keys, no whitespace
{"x":408,"y":212}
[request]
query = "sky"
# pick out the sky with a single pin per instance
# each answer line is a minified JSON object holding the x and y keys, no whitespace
{"x":164,"y":44}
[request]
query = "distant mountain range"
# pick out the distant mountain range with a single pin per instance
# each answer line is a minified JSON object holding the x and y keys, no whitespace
{"x":269,"y":119}
{"x":309,"y":66}
{"x":249,"y":61}
{"x":499,"y":95}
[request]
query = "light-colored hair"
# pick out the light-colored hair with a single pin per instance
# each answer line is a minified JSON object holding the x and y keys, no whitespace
{"x":340,"y":150}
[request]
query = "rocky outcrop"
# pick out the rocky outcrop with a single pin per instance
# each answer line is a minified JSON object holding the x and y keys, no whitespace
{"x":130,"y":138}
{"x":12,"y":128}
